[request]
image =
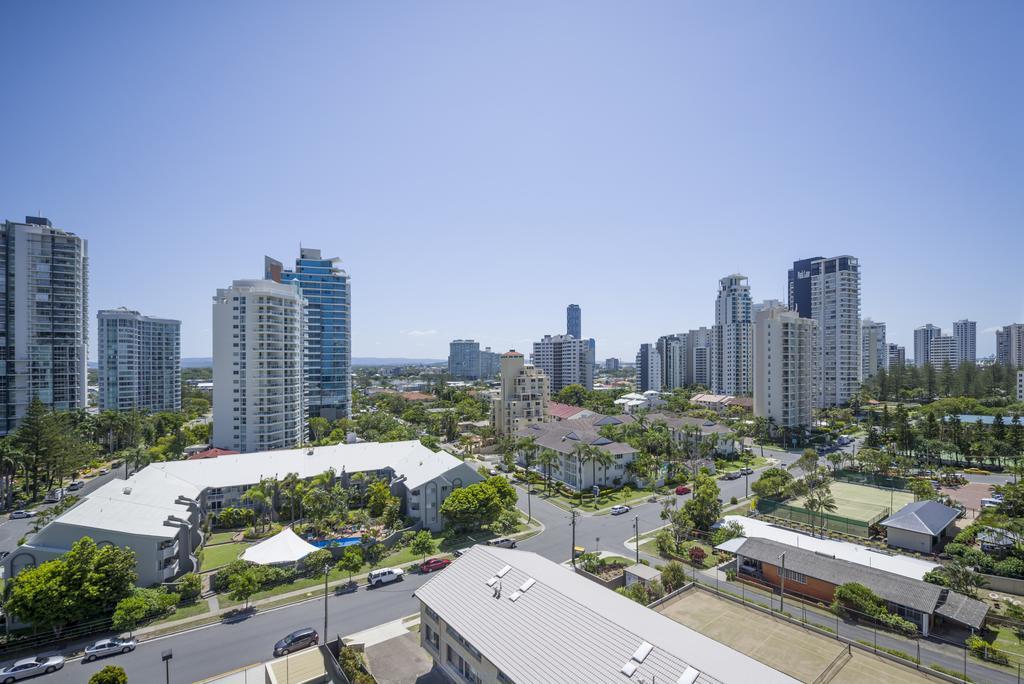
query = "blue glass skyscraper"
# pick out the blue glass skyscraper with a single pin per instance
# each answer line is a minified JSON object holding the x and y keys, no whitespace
{"x":328,"y":360}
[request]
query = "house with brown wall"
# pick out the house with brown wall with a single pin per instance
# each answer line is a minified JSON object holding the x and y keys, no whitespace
{"x":816,"y":576}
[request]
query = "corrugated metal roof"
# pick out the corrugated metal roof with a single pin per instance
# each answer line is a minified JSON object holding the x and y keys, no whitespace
{"x":963,"y":609}
{"x":569,"y":629}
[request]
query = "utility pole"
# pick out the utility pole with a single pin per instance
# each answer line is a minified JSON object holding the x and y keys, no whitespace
{"x":782,"y":577}
{"x":636,"y":531}
{"x":572,"y":553}
{"x":327,"y":570}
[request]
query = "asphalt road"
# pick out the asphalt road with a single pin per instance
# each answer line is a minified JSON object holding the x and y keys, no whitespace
{"x":212,"y":650}
{"x":219,"y":648}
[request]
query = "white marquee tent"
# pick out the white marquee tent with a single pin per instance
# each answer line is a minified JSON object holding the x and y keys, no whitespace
{"x":283,"y":547}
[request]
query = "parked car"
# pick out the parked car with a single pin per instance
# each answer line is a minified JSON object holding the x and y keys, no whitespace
{"x":458,"y":552}
{"x":682,"y":489}
{"x":492,"y":472}
{"x":377,"y":578}
{"x":733,"y":475}
{"x":105,"y":647}
{"x":30,"y":667}
{"x":104,"y":471}
{"x":746,"y":471}
{"x":299,"y":639}
{"x":432,"y":564}
{"x":76,"y":485}
{"x":503,"y":542}
{"x":17,"y":515}
{"x":54,"y":496}
{"x":620,"y":509}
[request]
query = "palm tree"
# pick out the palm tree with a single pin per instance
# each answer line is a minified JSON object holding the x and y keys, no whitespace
{"x":547,"y":458}
{"x":604,"y":459}
{"x":10,"y":457}
{"x":527,"y":446}
{"x":826,"y":503}
{"x":584,"y":453}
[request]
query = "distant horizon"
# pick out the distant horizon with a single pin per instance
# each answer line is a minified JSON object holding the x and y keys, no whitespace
{"x":477,"y":167}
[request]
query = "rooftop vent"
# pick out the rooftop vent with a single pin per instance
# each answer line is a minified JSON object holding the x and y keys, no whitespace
{"x":126,"y":491}
{"x":688,"y":677}
{"x":309,"y":451}
{"x":491,"y":581}
{"x":629,"y":668}
{"x":527,"y":584}
{"x":514,"y":596}
{"x":642,"y":651}
{"x":504,"y":571}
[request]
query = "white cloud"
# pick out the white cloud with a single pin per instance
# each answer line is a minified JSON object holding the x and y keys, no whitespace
{"x":419,"y":333}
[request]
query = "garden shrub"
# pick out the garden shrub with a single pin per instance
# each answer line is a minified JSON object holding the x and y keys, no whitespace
{"x":190,"y":585}
{"x":142,"y":605}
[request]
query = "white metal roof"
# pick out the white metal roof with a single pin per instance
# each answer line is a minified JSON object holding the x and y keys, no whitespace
{"x":566,"y":628}
{"x":410,"y":458}
{"x":899,"y":564}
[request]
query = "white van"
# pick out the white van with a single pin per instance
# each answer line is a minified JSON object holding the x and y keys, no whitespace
{"x":54,"y":496}
{"x":989,"y":503}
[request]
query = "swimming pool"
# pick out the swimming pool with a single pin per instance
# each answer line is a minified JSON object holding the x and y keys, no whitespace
{"x":346,"y":541}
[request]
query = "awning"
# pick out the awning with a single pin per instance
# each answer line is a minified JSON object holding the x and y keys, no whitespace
{"x":283,"y":547}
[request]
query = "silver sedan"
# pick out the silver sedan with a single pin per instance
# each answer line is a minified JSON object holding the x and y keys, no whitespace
{"x":30,"y":667}
{"x":105,"y":647}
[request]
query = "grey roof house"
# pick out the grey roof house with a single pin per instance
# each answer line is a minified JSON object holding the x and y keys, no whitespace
{"x":817,"y":575}
{"x":922,"y":526}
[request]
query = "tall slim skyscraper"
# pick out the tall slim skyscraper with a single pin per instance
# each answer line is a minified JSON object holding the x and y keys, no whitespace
{"x":672,"y":350}
{"x":259,"y":398}
{"x":698,"y":357}
{"x":784,"y":366}
{"x":732,"y":350}
{"x":139,"y":361}
{"x":1010,"y":345}
{"x":923,"y":337}
{"x":835,"y":305}
{"x":966,"y":334}
{"x":574,"y":321}
{"x":874,"y":350}
{"x":566,"y":360}
{"x":44,"y":326}
{"x":327,"y":291}
{"x":799,"y":291}
{"x":648,"y":368}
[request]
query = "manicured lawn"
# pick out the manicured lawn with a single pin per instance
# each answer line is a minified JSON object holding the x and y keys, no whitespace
{"x":198,"y":608}
{"x":221,"y":537}
{"x":220,"y":555}
{"x":1007,"y":640}
{"x":604,"y":502}
{"x":730,"y":466}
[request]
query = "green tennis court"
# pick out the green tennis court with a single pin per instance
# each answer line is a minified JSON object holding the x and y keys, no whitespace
{"x":861,"y":502}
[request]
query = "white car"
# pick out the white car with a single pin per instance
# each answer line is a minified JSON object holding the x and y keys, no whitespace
{"x":103,"y":471}
{"x":30,"y":667}
{"x":16,"y":515}
{"x":105,"y":647}
{"x":385,"y":575}
{"x":619,"y":510}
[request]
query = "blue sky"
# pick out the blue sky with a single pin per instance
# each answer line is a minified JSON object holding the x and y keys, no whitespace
{"x":478,"y":166}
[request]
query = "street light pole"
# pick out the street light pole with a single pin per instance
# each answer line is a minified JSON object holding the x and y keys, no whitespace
{"x":782,"y":577}
{"x":572,"y":553}
{"x":166,"y":657}
{"x":636,"y":531}
{"x":327,"y":570}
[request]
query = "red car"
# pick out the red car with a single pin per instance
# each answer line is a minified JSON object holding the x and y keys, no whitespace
{"x":432,"y":564}
{"x":682,"y":489}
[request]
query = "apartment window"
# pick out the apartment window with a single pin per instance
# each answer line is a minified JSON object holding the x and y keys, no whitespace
{"x":465,"y":644}
{"x":430,"y":612}
{"x":432,"y":637}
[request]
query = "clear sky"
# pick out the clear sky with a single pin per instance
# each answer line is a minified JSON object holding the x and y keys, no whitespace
{"x":479,"y":165}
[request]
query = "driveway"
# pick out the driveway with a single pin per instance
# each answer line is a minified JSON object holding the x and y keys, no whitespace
{"x":402,"y":661}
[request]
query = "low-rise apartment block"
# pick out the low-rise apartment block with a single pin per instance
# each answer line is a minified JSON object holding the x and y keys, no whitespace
{"x":158,"y":511}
